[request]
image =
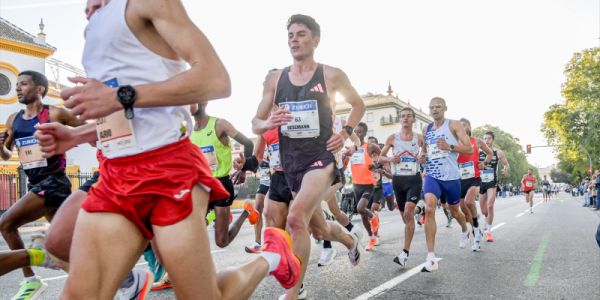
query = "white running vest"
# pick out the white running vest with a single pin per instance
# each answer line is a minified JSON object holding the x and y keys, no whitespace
{"x":113,"y":55}
{"x":408,"y":152}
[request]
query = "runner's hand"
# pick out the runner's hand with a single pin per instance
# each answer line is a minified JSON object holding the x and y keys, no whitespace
{"x":335,"y":142}
{"x":396,"y":159}
{"x":238,"y":162}
{"x":91,"y":100}
{"x":238,"y":177}
{"x":505,"y":172}
{"x":278,"y":118}
{"x":443,"y":145}
{"x":3,"y":137}
{"x":54,"y":138}
{"x":422,"y":158}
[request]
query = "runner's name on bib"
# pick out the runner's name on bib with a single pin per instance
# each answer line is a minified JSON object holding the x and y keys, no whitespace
{"x":467,"y":170}
{"x":358,"y":157}
{"x":529,"y":184}
{"x":265,"y":177}
{"x":115,"y":132}
{"x":30,"y":153}
{"x":434,"y":152}
{"x":487,"y":176}
{"x":406,"y":167}
{"x":211,"y":156}
{"x":274,"y":161}
{"x":305,"y":119}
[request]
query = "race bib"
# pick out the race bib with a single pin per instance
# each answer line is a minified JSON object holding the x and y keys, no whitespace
{"x":529,"y":184}
{"x":406,"y":167}
{"x":434,"y":152}
{"x":358,"y":157}
{"x":305,"y":119}
{"x":211,"y":156}
{"x":487,"y":176}
{"x":30,"y":153}
{"x":467,"y":170}
{"x":115,"y":132}
{"x":265,"y":176}
{"x":274,"y":161}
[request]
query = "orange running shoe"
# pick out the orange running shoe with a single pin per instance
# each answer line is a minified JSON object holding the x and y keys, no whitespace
{"x":374,"y":222}
{"x":488,"y":236}
{"x":422,"y":220}
{"x":253,"y":215}
{"x":371,"y":244}
{"x":289,"y":269}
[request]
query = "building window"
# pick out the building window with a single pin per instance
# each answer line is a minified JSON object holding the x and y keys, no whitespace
{"x":4,"y":85}
{"x":369,"y":117}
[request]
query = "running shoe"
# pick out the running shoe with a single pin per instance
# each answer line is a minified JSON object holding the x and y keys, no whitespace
{"x":30,"y":289}
{"x":302,"y":294}
{"x":477,"y":235}
{"x":374,"y":222}
{"x":377,"y":240}
{"x":254,"y":248}
{"x":371,"y":244}
{"x":253,"y":215}
{"x":163,"y":283}
{"x":430,"y":266}
{"x":354,"y":253}
{"x":327,"y":257}
{"x":161,"y":278}
{"x":401,"y":259}
{"x":489,"y":237}
{"x":464,"y":239}
{"x":476,"y":247}
{"x":422,"y":220}
{"x":289,"y":269}
{"x":139,"y":289}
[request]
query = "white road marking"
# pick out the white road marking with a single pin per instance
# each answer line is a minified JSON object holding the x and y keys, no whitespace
{"x":497,"y":226}
{"x":520,"y":214}
{"x":137,"y":265}
{"x":391,"y":283}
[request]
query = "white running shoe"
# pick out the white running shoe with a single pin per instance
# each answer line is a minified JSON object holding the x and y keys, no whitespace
{"x":476,"y":247}
{"x":430,"y":266}
{"x":354,"y":253}
{"x":401,"y":259}
{"x":142,"y":283}
{"x":464,"y":239}
{"x":327,"y":256}
{"x":477,"y":234}
{"x":302,"y":294}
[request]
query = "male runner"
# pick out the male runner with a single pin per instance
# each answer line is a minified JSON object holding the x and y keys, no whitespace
{"x":305,"y":93}
{"x":48,"y":185}
{"x":153,"y":183}
{"x":546,"y":188}
{"x":470,"y":181}
{"x":363,"y":180}
{"x":528,"y":184}
{"x":444,"y":139}
{"x":489,"y":182}
{"x":407,"y":181}
{"x":213,"y":135}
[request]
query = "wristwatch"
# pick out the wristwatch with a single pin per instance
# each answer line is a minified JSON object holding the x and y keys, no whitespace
{"x":127,"y":95}
{"x":348,"y":129}
{"x":451,"y":147}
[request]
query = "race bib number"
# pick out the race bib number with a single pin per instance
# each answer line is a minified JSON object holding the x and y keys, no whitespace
{"x":211,"y":156}
{"x":406,"y":167}
{"x":467,"y":170}
{"x":30,"y":153}
{"x":487,"y":176}
{"x":305,"y":119}
{"x":115,"y":132}
{"x":274,"y":161}
{"x":434,"y":152}
{"x":265,"y":176}
{"x":529,"y":184}
{"x":358,"y":157}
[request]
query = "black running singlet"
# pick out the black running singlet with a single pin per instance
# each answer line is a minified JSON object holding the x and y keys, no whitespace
{"x":492,"y":167}
{"x":304,"y":140}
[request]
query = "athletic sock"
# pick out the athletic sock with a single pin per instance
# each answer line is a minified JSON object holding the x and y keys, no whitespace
{"x":32,"y":278}
{"x":405,"y":251}
{"x":430,"y":256}
{"x":326,"y":244}
{"x":475,"y":222}
{"x":36,"y":256}
{"x":272,"y":259}
{"x":349,"y":226}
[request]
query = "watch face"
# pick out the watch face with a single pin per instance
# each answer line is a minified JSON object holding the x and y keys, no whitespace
{"x":126,"y":94}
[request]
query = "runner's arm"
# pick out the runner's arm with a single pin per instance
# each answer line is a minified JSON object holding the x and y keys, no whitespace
{"x":461,"y":135}
{"x":389,"y":143}
{"x":342,"y":85}
{"x":504,"y":161}
{"x":489,"y":154}
{"x":63,"y":116}
{"x":259,"y":149}
{"x":226,"y":131}
{"x":55,"y":138}
{"x":423,"y":155}
{"x":7,"y":139}
{"x":264,"y":120}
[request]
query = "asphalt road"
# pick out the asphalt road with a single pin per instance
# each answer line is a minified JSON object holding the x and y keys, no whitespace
{"x":551,"y":254}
